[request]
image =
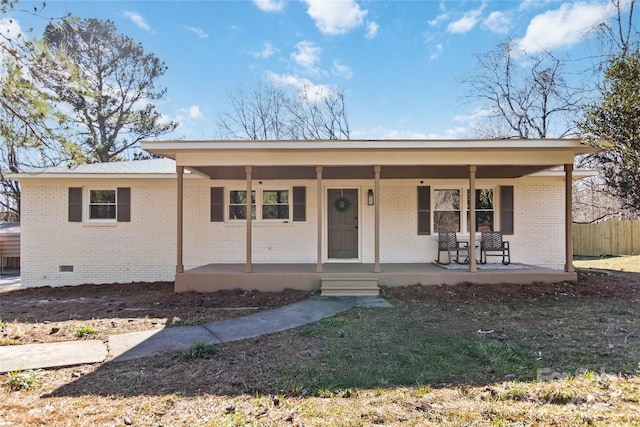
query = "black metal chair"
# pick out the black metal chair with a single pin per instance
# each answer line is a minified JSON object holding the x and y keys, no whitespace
{"x":448,"y":242}
{"x":491,"y":244}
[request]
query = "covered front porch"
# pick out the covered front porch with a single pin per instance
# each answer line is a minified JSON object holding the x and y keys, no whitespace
{"x":276,"y":277}
{"x":327,"y":165}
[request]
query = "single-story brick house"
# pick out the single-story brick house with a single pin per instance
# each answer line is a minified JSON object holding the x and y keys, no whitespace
{"x":359,"y":209}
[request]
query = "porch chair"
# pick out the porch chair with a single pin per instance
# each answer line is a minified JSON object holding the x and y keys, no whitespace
{"x":448,"y":242}
{"x":491,"y":244}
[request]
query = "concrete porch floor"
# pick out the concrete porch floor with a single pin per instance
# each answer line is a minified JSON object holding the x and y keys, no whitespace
{"x":276,"y":277}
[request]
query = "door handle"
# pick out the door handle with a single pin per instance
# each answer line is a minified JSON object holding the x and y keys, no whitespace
{"x":356,"y":227}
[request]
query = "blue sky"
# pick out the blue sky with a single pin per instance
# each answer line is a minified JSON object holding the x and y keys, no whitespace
{"x":399,"y":62}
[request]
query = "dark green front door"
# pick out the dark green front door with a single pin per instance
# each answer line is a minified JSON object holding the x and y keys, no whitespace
{"x":343,"y":223}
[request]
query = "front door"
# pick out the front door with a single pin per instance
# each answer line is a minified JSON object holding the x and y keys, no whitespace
{"x":343,"y":223}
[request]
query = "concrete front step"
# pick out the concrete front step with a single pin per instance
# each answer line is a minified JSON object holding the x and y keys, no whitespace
{"x":338,"y":286}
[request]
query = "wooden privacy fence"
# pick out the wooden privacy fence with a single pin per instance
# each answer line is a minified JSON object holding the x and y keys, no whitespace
{"x":607,"y":238}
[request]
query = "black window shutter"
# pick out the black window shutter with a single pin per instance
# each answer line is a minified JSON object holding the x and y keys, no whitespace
{"x":506,"y":209}
{"x":75,"y":204}
{"x":217,"y":204}
{"x":424,"y":209}
{"x":124,"y":204}
{"x":299,"y":203}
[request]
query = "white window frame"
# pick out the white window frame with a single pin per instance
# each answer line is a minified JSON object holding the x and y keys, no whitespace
{"x":87,"y":206}
{"x":228,"y":204}
{"x":464,"y":205}
{"x":494,"y":209}
{"x":258,"y":204}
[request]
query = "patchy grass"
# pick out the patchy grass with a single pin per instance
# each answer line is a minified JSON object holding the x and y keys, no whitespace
{"x":629,"y":263}
{"x":201,"y":350}
{"x":195,"y":320}
{"x":561,"y":354}
{"x":85,"y":330}
{"x":21,"y":380}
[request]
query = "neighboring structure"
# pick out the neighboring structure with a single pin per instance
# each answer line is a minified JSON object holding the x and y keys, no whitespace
{"x":9,"y":245}
{"x":320,"y":209}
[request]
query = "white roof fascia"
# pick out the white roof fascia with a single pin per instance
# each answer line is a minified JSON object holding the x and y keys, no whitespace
{"x":576,"y":174}
{"x":71,"y":175}
{"x":366,"y":144}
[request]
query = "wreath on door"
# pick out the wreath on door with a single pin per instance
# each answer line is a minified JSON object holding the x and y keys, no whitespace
{"x":342,"y":204}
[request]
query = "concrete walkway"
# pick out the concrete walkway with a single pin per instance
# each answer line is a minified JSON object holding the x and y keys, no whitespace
{"x":147,"y":343}
{"x":10,"y":279}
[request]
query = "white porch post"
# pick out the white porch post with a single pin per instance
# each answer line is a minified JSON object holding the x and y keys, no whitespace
{"x":319,"y":221}
{"x":248,"y":267}
{"x":472,"y":218}
{"x":376,"y":266}
{"x":179,"y":231}
{"x":568,"y":227}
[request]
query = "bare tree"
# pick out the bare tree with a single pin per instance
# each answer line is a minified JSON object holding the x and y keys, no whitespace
{"x":523,"y":96}
{"x":256,"y":114}
{"x":270,"y":113}
{"x":594,"y":202}
{"x":323,"y":118}
{"x":620,"y":36}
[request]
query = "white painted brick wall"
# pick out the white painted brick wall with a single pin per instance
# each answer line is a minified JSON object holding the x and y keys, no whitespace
{"x":141,"y":250}
{"x":144,"y":249}
{"x":539,"y":222}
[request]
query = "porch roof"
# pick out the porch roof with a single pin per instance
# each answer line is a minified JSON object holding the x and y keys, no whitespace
{"x":353,"y":159}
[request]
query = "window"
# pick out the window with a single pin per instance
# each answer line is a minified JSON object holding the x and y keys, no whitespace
{"x":99,"y":204}
{"x":238,"y":204}
{"x":446,"y":210}
{"x":102,"y":204}
{"x":484,"y":210}
{"x":275,"y":204}
{"x":441,"y":209}
{"x":272,"y":205}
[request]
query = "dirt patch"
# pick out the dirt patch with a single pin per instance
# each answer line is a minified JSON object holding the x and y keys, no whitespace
{"x":48,"y":314}
{"x":614,"y":285}
{"x":443,"y":355}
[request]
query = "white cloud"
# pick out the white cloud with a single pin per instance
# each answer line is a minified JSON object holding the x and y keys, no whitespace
{"x":438,"y":19}
{"x":477,"y":115}
{"x":466,"y":23}
{"x":341,"y":70}
{"x":372,"y":30}
{"x":564,"y":26}
{"x":267,"y":51}
{"x":380,"y":132}
{"x":137,"y":19}
{"x":530,"y":4}
{"x":10,"y":30}
{"x":269,"y":5}
{"x":498,"y":22}
{"x":436,"y":52}
{"x":335,"y":17}
{"x":194,"y":112}
{"x":307,"y":55}
{"x":315,"y":92}
{"x":199,"y":32}
{"x":456,"y":133}
{"x":443,"y":16}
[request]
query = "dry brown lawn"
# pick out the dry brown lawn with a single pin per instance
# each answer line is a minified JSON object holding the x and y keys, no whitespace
{"x":486,"y":355}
